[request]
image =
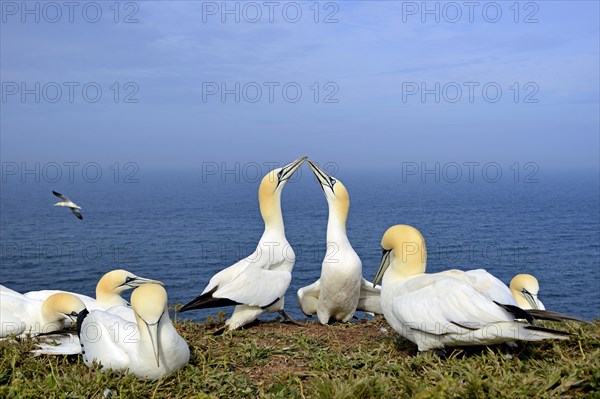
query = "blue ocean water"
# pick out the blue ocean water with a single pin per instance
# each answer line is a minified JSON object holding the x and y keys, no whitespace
{"x":182,"y":227}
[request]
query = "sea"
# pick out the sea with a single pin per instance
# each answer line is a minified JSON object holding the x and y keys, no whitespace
{"x":182,"y":227}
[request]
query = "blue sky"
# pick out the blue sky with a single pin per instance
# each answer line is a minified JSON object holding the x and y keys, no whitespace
{"x":368,"y":61}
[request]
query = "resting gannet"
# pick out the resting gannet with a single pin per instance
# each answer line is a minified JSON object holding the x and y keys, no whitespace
{"x":149,"y":348}
{"x":341,"y":290}
{"x":69,"y":204}
{"x":108,"y":290}
{"x":20,"y":315}
{"x":108,"y":298}
{"x":444,"y":309}
{"x":258,"y":283}
{"x":525,"y":288}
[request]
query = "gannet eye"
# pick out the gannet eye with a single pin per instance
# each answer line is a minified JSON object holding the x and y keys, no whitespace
{"x":332,"y":181}
{"x":73,"y":313}
{"x":129,"y":280}
{"x":280,"y":174}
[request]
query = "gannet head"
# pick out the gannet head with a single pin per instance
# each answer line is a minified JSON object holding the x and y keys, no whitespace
{"x":117,"y":281}
{"x":269,"y":192}
{"x":149,"y":302}
{"x":335,"y":192}
{"x":59,"y":306}
{"x":403,"y":247}
{"x":525,"y":286}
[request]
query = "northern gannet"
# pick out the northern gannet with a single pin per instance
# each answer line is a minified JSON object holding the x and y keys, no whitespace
{"x":108,"y":298}
{"x":258,"y":283}
{"x":149,"y":348}
{"x":108,"y":290}
{"x":20,"y":315}
{"x":444,"y":309}
{"x":69,"y":204}
{"x":525,"y":288}
{"x":341,"y":290}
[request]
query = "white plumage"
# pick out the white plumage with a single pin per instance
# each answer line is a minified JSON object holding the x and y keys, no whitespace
{"x":341,"y":289}
{"x":451,"y":308}
{"x":150,"y":347}
{"x":258,"y":283}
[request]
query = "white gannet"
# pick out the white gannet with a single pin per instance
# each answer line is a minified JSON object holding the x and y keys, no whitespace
{"x":258,"y":283}
{"x":108,"y":290}
{"x":20,"y":315}
{"x":341,"y":290}
{"x":149,"y":348}
{"x":69,"y":204}
{"x":444,"y":309}
{"x":108,"y":298}
{"x":525,"y":288}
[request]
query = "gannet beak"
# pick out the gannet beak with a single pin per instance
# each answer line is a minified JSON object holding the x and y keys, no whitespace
{"x":383,"y":265}
{"x":153,"y":331}
{"x":72,"y":316}
{"x":288,"y":170}
{"x":324,"y":179}
{"x":530,"y":299}
{"x":139,"y":281}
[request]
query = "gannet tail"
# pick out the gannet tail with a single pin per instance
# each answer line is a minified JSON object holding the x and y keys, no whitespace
{"x":206,"y":301}
{"x":539,"y":314}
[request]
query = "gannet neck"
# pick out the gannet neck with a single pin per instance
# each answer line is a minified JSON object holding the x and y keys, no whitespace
{"x":269,"y":200}
{"x":109,"y":288}
{"x":336,"y":227}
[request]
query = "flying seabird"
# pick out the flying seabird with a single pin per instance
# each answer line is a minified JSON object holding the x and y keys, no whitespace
{"x":69,"y":204}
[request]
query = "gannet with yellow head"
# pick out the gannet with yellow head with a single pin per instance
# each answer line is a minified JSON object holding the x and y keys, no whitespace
{"x":149,"y":348}
{"x":258,"y":283}
{"x":341,"y":290}
{"x":20,"y":315}
{"x":108,"y":290}
{"x":108,"y":298}
{"x":444,"y":309}
{"x":525,"y":288}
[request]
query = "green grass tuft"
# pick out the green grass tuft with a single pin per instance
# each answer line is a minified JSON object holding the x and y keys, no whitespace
{"x":358,"y":360}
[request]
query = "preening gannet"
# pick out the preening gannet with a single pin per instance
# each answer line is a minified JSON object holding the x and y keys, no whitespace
{"x":444,"y":309}
{"x":20,"y":315}
{"x":525,"y":288}
{"x":69,"y":204}
{"x":258,"y":283}
{"x":150,"y":347}
{"x":341,"y":290}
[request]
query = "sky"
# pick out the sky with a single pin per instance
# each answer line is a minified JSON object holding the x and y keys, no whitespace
{"x":364,"y":84}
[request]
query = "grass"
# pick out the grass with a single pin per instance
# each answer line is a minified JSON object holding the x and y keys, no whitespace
{"x":358,"y":360}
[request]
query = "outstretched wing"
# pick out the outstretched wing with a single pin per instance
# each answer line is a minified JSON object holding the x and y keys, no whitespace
{"x":76,"y":213}
{"x":62,"y":197}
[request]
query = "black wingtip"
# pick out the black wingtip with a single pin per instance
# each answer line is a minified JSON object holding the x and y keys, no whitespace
{"x":56,"y":193}
{"x":220,"y":331}
{"x":517,"y":312}
{"x":548,"y":330}
{"x":555,"y":316}
{"x":206,"y":301}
